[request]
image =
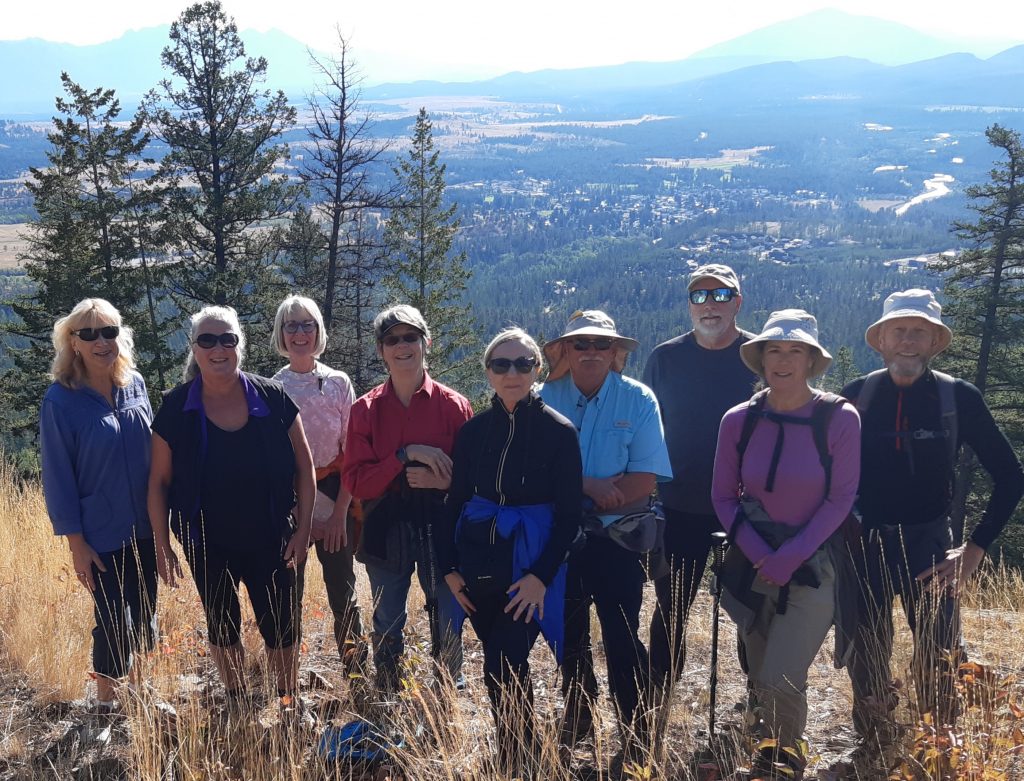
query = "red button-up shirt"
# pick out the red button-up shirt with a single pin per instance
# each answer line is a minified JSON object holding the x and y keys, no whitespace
{"x":380,"y":424}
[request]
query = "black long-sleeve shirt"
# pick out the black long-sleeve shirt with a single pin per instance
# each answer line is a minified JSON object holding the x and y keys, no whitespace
{"x":907,"y":480}
{"x":531,"y":456}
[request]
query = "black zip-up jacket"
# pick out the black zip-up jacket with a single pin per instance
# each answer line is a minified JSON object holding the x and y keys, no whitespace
{"x":908,"y":480}
{"x":531,"y":456}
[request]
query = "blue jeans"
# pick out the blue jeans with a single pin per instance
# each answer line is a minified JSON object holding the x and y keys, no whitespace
{"x":389,"y":588}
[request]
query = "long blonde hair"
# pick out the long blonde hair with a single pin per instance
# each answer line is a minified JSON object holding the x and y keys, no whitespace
{"x":67,"y":368}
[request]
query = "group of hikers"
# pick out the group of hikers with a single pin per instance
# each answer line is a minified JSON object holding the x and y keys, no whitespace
{"x":524,"y":516}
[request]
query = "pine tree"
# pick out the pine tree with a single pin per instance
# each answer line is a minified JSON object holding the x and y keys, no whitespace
{"x":82,"y":243}
{"x":842,"y":371}
{"x":420,"y":234}
{"x":219,"y":178}
{"x":985,"y":299}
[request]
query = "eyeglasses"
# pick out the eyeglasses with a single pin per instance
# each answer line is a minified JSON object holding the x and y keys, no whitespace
{"x":719,"y":295}
{"x":392,"y":339}
{"x":108,"y":332}
{"x":209,"y":341}
{"x":522,"y":365}
{"x":294,"y":326}
{"x":582,"y":345}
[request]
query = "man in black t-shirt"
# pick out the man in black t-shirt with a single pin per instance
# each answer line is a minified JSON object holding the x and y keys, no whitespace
{"x":913,"y":422}
{"x":697,"y":377}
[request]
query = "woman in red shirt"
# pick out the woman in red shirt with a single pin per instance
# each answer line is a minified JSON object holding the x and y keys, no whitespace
{"x":398,"y":463}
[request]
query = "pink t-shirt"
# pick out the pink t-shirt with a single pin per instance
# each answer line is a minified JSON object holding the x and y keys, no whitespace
{"x":798,"y":497}
{"x":324,"y":397}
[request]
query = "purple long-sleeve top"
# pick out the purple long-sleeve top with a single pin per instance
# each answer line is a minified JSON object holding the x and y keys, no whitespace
{"x":798,"y":497}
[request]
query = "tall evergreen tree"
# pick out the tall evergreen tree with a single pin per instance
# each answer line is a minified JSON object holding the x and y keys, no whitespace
{"x":82,"y":243}
{"x":420,"y":234}
{"x":985,"y":297}
{"x":220,"y":178}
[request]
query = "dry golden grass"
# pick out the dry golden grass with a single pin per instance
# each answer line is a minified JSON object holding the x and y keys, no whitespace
{"x":46,"y":618}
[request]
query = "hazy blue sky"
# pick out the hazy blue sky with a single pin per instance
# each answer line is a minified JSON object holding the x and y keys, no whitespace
{"x":450,"y":38}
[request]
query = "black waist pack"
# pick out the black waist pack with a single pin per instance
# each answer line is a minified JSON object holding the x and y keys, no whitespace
{"x":485,"y":557}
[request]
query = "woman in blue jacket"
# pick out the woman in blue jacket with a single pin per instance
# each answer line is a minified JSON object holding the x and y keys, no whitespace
{"x":94,"y":433}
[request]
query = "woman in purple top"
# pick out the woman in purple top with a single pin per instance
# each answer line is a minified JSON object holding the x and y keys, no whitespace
{"x":781,"y":506}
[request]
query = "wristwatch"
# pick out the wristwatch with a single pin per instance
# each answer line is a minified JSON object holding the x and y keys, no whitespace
{"x":401,"y":456}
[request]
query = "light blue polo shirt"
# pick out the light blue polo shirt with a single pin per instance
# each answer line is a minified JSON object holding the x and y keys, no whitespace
{"x":620,"y":427}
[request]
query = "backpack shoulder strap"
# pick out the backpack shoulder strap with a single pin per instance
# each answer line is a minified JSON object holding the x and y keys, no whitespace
{"x":947,"y":413}
{"x":867,"y":390}
{"x":821,"y":418}
{"x":754,"y":409}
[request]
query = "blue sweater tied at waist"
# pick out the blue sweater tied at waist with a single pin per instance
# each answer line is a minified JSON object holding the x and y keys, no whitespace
{"x":530,"y":528}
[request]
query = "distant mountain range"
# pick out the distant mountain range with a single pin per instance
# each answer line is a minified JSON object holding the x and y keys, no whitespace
{"x":822,"y":55}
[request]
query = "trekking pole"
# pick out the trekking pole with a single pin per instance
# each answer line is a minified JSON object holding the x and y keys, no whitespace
{"x":718,"y":540}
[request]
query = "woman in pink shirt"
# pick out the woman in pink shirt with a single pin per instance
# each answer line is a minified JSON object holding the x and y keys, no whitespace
{"x":324,"y":396}
{"x":781,"y":504}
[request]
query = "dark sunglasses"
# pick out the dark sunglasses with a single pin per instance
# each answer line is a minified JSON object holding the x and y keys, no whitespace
{"x":209,"y":341}
{"x":719,"y":295}
{"x":392,"y":339}
{"x":294,"y":326}
{"x":582,"y":345}
{"x":521,"y":365}
{"x":108,"y":332}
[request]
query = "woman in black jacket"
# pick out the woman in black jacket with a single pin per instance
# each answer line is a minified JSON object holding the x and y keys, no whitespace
{"x":513,"y":509}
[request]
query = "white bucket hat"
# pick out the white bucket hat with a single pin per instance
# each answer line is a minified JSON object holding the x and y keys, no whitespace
{"x":590,"y":322}
{"x":916,"y":302}
{"x":787,"y":325}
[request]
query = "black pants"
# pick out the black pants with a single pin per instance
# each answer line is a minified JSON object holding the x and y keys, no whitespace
{"x":507,"y":645}
{"x":123,"y":607}
{"x":687,"y":544}
{"x":888,"y":564}
{"x":611,"y":578}
{"x":270,"y":583}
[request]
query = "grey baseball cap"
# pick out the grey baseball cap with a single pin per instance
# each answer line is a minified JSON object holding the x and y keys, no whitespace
{"x":718,"y":272}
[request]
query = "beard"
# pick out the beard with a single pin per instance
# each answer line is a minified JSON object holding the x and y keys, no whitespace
{"x":906,"y":367}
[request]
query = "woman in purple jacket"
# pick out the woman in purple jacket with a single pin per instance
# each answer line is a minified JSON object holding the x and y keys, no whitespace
{"x":781,"y":506}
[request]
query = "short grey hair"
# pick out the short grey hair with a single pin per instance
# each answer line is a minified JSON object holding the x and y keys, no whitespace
{"x":287,"y":309}
{"x":218,"y":314}
{"x":514,"y":334}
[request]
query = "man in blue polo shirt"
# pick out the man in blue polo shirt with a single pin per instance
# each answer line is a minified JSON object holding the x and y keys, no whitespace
{"x":624,"y":455}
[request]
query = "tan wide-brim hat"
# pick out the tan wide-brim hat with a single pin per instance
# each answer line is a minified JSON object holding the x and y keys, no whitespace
{"x":591,"y":322}
{"x":915,"y":302}
{"x":787,"y":325}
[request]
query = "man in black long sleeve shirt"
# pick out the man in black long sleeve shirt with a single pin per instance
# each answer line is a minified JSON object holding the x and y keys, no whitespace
{"x":906,"y":491}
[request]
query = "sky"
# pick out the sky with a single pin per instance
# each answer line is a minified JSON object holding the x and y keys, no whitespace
{"x":475,"y":38}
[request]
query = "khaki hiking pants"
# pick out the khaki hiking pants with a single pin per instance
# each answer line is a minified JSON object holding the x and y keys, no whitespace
{"x":780,"y":650}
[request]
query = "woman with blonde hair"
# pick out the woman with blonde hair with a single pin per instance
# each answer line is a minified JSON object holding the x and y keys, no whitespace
{"x":94,"y":434}
{"x":230,"y":461}
{"x":324,"y":397}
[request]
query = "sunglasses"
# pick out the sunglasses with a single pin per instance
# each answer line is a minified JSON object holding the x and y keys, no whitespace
{"x":294,"y":326}
{"x":392,"y":339}
{"x":582,"y":345}
{"x":719,"y":295}
{"x":108,"y":332}
{"x":503,"y":365}
{"x":209,"y":341}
